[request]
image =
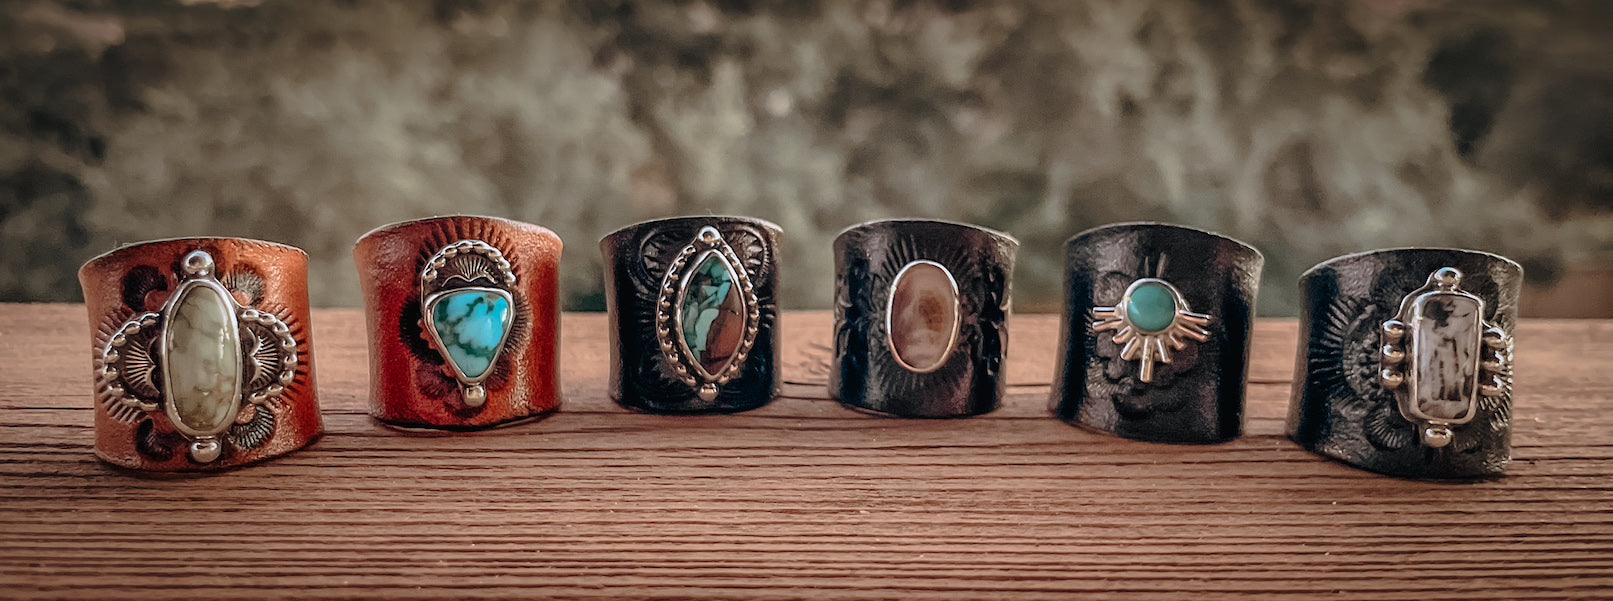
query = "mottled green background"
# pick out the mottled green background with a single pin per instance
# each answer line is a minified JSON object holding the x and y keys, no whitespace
{"x":1309,"y":129}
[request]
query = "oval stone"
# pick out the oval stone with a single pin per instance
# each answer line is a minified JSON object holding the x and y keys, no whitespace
{"x":711,"y":312}
{"x":1151,"y":307}
{"x":202,"y":362}
{"x":923,"y":315}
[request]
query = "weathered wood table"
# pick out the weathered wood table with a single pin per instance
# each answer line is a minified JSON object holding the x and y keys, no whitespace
{"x":801,"y":499}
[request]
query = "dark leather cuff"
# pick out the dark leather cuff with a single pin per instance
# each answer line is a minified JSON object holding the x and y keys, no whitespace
{"x":921,"y":317}
{"x":1156,"y":332}
{"x":1405,"y":362}
{"x":693,"y":317}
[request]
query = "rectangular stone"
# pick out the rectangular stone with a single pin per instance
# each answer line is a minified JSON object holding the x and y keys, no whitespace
{"x":1445,"y":358}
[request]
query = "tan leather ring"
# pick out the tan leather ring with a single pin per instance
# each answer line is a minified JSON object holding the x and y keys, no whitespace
{"x":463,"y":321}
{"x":202,"y":353}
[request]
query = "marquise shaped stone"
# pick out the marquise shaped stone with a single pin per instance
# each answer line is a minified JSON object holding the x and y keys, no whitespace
{"x":711,"y":312}
{"x":202,"y":361}
{"x":923,"y":315}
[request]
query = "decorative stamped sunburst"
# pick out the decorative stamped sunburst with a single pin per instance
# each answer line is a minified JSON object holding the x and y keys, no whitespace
{"x":1150,"y":321}
{"x":1440,"y":357}
{"x":922,"y":316}
{"x":707,"y":315}
{"x":468,"y":310}
{"x":918,"y":319}
{"x":210,"y":365}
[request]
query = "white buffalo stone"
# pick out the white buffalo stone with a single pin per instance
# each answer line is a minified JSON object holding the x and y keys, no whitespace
{"x":1446,"y":365}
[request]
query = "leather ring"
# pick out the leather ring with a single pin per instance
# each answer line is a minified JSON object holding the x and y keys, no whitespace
{"x":921,"y":317}
{"x":1155,"y":335}
{"x":203,"y":357}
{"x":1406,"y":360}
{"x":463,"y":320}
{"x":693,"y":317}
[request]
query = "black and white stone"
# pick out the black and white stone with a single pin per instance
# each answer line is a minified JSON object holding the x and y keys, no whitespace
{"x":1445,"y":362}
{"x":1405,"y":362}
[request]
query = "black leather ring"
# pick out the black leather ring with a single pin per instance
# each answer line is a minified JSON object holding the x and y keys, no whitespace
{"x":693,"y":317}
{"x":1405,"y":362}
{"x":1156,"y":332}
{"x":921,"y":317}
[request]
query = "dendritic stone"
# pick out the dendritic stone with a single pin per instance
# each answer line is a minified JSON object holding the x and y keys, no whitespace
{"x":712,"y":313}
{"x":471,"y":326}
{"x":203,"y":361}
{"x":1446,"y":364}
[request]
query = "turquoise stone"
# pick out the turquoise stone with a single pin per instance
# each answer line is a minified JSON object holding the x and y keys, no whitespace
{"x":711,"y":313}
{"x":203,"y":356}
{"x":470,"y":326}
{"x":1151,"y":307}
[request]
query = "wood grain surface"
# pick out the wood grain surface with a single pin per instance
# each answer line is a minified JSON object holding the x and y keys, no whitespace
{"x":801,"y":499}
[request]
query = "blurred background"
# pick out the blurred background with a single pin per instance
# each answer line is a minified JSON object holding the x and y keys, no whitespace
{"x":1308,"y":129}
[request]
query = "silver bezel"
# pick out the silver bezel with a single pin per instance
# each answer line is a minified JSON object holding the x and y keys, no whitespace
{"x":436,"y":339}
{"x":668,"y":318}
{"x":1148,"y":347}
{"x":433,"y":285}
{"x":957,"y":318}
{"x":1408,"y":404}
{"x":677,"y":316}
{"x":233,"y":326}
{"x":198,"y":272}
{"x":1401,"y":345}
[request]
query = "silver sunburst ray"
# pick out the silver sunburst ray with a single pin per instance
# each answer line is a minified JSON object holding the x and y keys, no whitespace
{"x":1147,"y":342}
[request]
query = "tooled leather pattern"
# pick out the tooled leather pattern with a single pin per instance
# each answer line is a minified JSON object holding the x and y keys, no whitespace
{"x":144,"y":289}
{"x":656,"y":382}
{"x":1117,"y":381}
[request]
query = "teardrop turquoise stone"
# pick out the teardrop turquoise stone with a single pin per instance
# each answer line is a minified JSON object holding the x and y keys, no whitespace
{"x":1151,"y":307}
{"x":712,"y":313}
{"x":471,"y":326}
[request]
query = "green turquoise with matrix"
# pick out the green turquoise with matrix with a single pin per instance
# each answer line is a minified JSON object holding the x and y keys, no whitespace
{"x":1151,"y":307}
{"x":711,"y":316}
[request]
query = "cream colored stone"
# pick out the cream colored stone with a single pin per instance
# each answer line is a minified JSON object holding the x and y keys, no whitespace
{"x":1446,"y":365}
{"x":923,"y":316}
{"x":203,"y":362}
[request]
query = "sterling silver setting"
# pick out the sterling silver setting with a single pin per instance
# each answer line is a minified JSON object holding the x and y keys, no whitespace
{"x":1145,"y":346}
{"x":957,"y":318}
{"x":708,"y":242}
{"x":466,"y":265}
{"x":1487,"y":372}
{"x":134,"y":373}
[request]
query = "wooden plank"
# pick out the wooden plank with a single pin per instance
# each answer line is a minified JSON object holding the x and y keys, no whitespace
{"x":801,"y":499}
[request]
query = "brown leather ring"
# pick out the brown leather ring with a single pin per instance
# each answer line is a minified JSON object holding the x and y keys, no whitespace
{"x":463,"y":320}
{"x":165,"y":318}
